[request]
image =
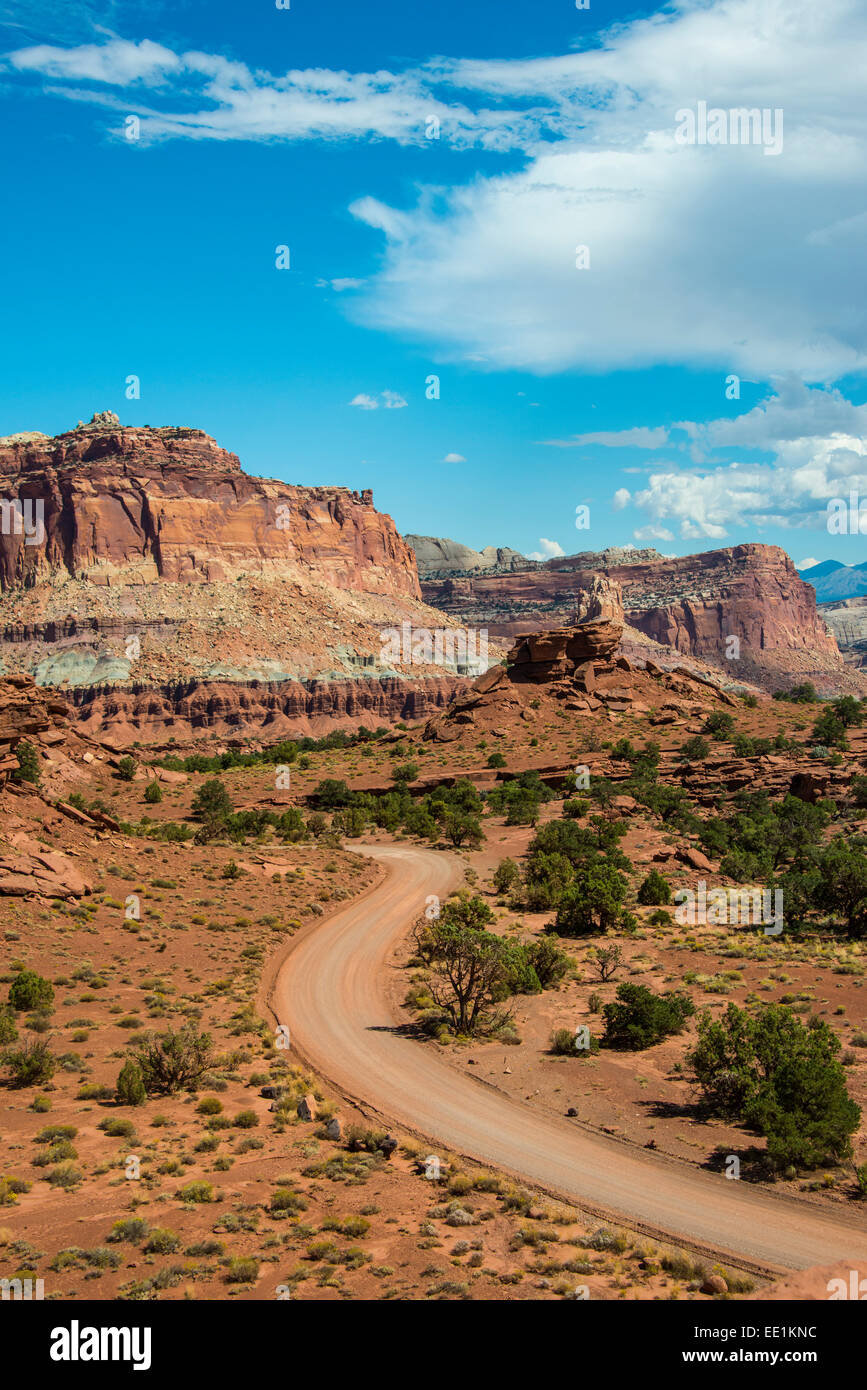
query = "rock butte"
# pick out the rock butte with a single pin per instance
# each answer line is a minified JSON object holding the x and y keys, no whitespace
{"x":167,"y":590}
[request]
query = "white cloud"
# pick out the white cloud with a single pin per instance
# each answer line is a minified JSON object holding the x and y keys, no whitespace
{"x":621,"y":498}
{"x":454,"y":458}
{"x":792,"y":492}
{"x":806,"y":564}
{"x":653,"y":533}
{"x":640,"y":438}
{"x":390,"y":400}
{"x":341,"y":284}
{"x":692,"y":248}
{"x":117,"y":62}
{"x":550,"y":550}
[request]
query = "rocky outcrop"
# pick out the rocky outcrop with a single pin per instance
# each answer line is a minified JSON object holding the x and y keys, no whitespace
{"x":30,"y":714}
{"x":545,"y":656}
{"x":576,"y":670}
{"x":271,"y":710}
{"x":743,"y":608}
{"x":132,"y":506}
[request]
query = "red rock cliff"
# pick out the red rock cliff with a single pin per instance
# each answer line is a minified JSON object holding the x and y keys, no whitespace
{"x":125,"y":506}
{"x":693,"y":604}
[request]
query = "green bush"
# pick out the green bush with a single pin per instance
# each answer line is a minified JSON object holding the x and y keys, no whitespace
{"x":593,"y":901}
{"x":780,"y":1077}
{"x":30,"y":991}
{"x":654,"y":891}
{"x":130,"y":1085}
{"x":161,"y":1242}
{"x":640,"y":1019}
{"x":30,"y":1065}
{"x":126,"y":768}
{"x":28,"y":763}
{"x":153,"y":793}
{"x":174,"y":1059}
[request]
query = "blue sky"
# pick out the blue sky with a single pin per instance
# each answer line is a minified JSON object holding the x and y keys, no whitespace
{"x":455,"y":256}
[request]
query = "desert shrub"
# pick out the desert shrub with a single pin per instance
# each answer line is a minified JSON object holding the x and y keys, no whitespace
{"x":640,"y":1019}
{"x":694,"y":750}
{"x":130,"y":1085}
{"x":719,"y":725}
{"x":507,"y":874}
{"x":562,"y":1042}
{"x":245,"y":1119}
{"x":496,"y":760}
{"x":117,"y":1128}
{"x":654,"y":890}
{"x":198,"y":1191}
{"x":173,"y":1060}
{"x":285,"y":1202}
{"x":30,"y":991}
{"x":130,"y":1231}
{"x":8,"y":1031}
{"x":161,"y":1241}
{"x":241,"y":1269}
{"x":31,"y":1064}
{"x":11,"y":1189}
{"x":153,"y":793}
{"x":126,"y":768}
{"x":28,"y":763}
{"x":210,"y":1105}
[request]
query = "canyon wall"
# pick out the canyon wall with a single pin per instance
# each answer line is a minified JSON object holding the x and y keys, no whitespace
{"x":693,"y":605}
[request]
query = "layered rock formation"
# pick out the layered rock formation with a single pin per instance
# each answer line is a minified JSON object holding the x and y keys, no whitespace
{"x":138,"y":559}
{"x":130,"y":506}
{"x":848,"y":622}
{"x":694,"y":605}
{"x":157,"y":714}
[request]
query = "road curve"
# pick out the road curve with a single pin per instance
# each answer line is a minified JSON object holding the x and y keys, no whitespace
{"x":331,"y":991}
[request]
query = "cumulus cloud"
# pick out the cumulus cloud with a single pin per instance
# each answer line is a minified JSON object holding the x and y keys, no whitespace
{"x":365,"y":402}
{"x":454,"y":458}
{"x":807,"y":564}
{"x":621,"y":498}
{"x":692,"y":248}
{"x":549,"y":551}
{"x":792,"y":491}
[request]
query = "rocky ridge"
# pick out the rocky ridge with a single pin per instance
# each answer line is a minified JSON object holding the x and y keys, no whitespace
{"x":693,"y":605}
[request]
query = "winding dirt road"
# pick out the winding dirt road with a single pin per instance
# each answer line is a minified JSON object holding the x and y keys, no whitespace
{"x":332,"y":992}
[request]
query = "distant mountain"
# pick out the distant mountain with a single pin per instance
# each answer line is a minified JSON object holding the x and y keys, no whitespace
{"x":437,"y":555}
{"x":833,"y":580}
